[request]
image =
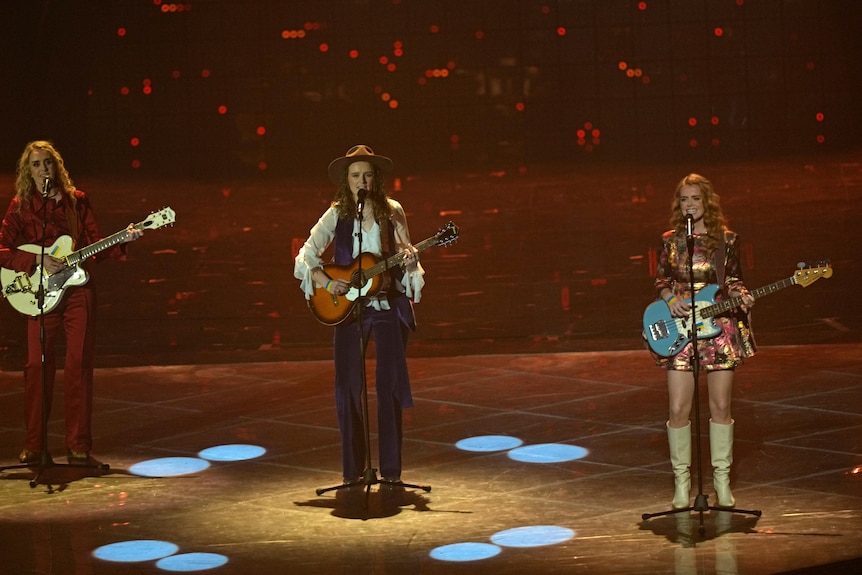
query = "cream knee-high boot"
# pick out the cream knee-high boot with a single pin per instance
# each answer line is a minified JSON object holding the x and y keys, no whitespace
{"x":721,"y":452}
{"x":679,"y":440}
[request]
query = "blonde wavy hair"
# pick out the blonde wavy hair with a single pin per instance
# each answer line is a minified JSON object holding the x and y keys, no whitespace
{"x":25,"y":187}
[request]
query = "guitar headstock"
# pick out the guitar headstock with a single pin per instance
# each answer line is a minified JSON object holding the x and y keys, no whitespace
{"x":447,"y":235}
{"x":164,"y":217}
{"x":808,"y":274}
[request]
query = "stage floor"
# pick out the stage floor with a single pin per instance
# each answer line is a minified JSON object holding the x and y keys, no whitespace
{"x":797,"y":460}
{"x":529,"y":330}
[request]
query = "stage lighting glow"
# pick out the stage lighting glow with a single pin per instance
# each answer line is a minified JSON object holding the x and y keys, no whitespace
{"x":235,"y":452}
{"x":134,"y":551}
{"x":532,"y":536}
{"x":488,"y":443}
{"x":191,"y":562}
{"x":465,"y":552}
{"x":169,"y":466}
{"x":548,"y":453}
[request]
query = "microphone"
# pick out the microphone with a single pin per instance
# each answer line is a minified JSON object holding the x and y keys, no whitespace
{"x":689,"y":225}
{"x":360,"y":202}
{"x":46,"y":185}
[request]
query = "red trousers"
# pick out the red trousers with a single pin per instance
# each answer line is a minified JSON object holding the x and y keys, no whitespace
{"x":76,"y":317}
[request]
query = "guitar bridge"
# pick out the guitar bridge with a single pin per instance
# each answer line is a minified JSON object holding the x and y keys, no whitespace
{"x":658,"y":331}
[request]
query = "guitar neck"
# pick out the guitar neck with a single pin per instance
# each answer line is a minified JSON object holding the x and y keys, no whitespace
{"x":721,"y":307}
{"x":393,"y":260}
{"x":89,"y":251}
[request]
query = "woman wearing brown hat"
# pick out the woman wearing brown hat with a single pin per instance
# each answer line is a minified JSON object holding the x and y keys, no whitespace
{"x":362,"y":211}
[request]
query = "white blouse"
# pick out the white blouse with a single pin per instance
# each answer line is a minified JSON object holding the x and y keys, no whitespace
{"x":322,"y":235}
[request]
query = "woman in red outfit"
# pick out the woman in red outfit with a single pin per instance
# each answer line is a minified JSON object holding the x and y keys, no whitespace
{"x":47,"y":206}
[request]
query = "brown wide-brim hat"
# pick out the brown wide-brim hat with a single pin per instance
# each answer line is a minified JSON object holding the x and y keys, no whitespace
{"x":357,"y":154}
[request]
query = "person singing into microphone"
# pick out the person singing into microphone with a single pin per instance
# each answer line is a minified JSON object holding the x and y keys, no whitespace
{"x":45,"y":199}
{"x":696,"y":216}
{"x":362,"y":206}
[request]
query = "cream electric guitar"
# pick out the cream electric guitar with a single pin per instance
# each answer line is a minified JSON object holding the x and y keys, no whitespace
{"x":24,"y":291}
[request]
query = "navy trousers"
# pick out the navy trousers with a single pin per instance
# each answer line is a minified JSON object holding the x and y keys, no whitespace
{"x":391,"y":383}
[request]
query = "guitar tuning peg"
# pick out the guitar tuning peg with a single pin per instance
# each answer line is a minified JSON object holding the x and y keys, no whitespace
{"x":800,"y":265}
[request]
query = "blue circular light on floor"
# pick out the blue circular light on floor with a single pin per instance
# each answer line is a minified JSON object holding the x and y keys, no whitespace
{"x":133,"y":551}
{"x":465,"y":552}
{"x":547,"y":453}
{"x":191,"y":562}
{"x":169,"y":466}
{"x":532,"y":536}
{"x":489,"y":443}
{"x":237,"y":452}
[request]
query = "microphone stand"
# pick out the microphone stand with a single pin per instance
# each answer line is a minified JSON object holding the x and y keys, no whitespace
{"x":45,"y":461}
{"x":700,"y":501}
{"x":369,"y":476}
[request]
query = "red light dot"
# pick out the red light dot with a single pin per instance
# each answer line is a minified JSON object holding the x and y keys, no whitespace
{"x":175,"y":74}
{"x":821,"y":138}
{"x":622,"y":65}
{"x":262,"y":166}
{"x":692,"y":143}
{"x":434,"y":28}
{"x":136,"y":164}
{"x":588,"y":125}
{"x":383,"y":60}
{"x":222,"y":109}
{"x":354,"y":54}
{"x":147,"y":90}
{"x":819,"y":116}
{"x":596,"y":133}
{"x":692,"y":122}
{"x":134,"y":142}
{"x":398,"y":53}
{"x":121,"y":32}
{"x":423,"y":81}
{"x":641,"y":5}
{"x":719,"y":32}
{"x":454,"y":138}
{"x":581,"y":134}
{"x":546,"y":9}
{"x":479,"y":35}
{"x":561,"y":31}
{"x":324,"y":47}
{"x":205,"y":73}
{"x":261,"y":130}
{"x":714,"y":120}
{"x":520,"y":106}
{"x":124,"y":90}
{"x":715,"y":142}
{"x":393,"y":104}
{"x":391,"y":67}
{"x":450,"y":65}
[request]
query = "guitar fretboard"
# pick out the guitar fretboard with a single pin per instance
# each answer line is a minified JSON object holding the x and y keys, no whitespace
{"x":721,"y":307}
{"x":392,"y":261}
{"x":84,"y":253}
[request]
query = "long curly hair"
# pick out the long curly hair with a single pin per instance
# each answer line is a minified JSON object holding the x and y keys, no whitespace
{"x":713,"y":217}
{"x":25,"y":187}
{"x":346,"y":206}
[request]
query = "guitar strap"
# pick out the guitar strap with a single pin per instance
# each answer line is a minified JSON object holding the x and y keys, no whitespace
{"x":386,"y":240}
{"x":72,"y":219}
{"x":720,"y":256}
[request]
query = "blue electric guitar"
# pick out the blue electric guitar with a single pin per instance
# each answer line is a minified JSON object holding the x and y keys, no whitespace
{"x":667,"y":335}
